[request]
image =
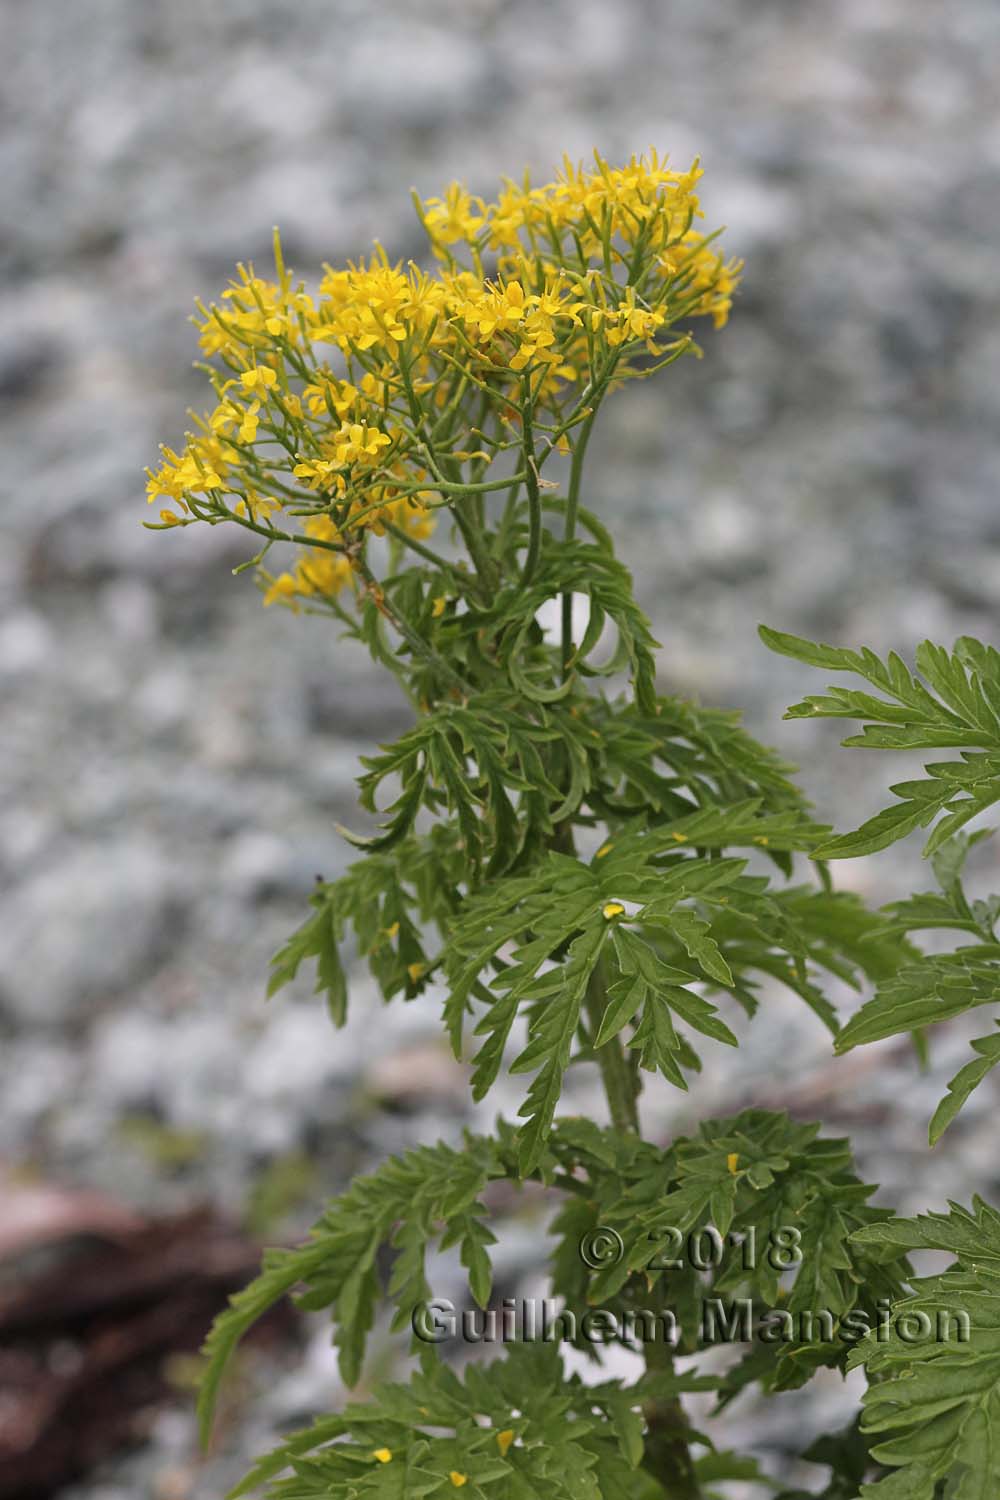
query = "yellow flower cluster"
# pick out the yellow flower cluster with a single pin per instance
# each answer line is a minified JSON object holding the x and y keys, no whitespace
{"x":321,"y":571}
{"x":542,"y":302}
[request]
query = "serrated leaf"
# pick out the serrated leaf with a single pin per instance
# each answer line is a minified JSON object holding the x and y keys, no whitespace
{"x":964,"y":1082}
{"x":317,"y":939}
{"x":938,"y":988}
{"x":624,"y":999}
{"x":933,"y":1406}
{"x":552,"y":1028}
{"x":834,"y":658}
{"x":956,"y":705}
{"x":879,"y":832}
{"x":695,"y":937}
{"x":283,"y":1270}
{"x":408,"y":1202}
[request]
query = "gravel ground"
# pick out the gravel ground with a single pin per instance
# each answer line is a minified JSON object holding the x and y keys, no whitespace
{"x":174,"y":759}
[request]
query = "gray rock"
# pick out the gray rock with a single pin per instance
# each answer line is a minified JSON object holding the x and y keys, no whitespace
{"x":83,"y":930}
{"x":167,"y":748}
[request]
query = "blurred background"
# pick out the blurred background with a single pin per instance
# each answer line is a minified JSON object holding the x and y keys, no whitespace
{"x":174,"y":759}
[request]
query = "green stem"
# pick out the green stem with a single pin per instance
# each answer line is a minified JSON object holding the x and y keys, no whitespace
{"x":616,"y":1075}
{"x":416,"y":642}
{"x":572,"y":507}
{"x":667,"y":1455}
{"x":475,"y":540}
{"x":506,"y":524}
{"x":428,"y":553}
{"x":534,"y":498}
{"x":472,"y":534}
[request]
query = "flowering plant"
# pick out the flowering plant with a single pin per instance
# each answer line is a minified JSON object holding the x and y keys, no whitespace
{"x":584,"y":866}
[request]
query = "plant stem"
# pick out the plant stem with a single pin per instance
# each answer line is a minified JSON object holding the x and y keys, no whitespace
{"x":442,"y":472}
{"x":616,"y":1075}
{"x":572,"y":506}
{"x":416,"y":642}
{"x":428,"y":553}
{"x":534,"y":499}
{"x":667,"y":1454}
{"x":475,"y":540}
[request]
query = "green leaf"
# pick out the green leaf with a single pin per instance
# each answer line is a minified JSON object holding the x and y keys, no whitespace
{"x":624,"y":999}
{"x":282,"y":1271}
{"x":964,"y":1082}
{"x":474,"y":1237}
{"x":428,"y":1194}
{"x":879,"y":832}
{"x":553,"y":1025}
{"x":567,"y":568}
{"x":912,"y":1483}
{"x":695,"y":937}
{"x":488,"y":758}
{"x":761,"y":1200}
{"x":316,"y":938}
{"x":933,"y":1407}
{"x":834,"y":658}
{"x":937,"y":988}
{"x":957,"y":704}
{"x":719,"y":1465}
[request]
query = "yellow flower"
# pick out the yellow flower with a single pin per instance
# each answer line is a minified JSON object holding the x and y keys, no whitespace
{"x":225,"y":416}
{"x":438,"y":606}
{"x":458,"y":1479}
{"x":282,"y":590}
{"x":646,"y":199}
{"x":496,"y":308}
{"x":383,"y":1455}
{"x":516,"y":209}
{"x":612,"y":909}
{"x":456,"y":216}
{"x":550,"y":301}
{"x":536,"y":341}
{"x":504,"y":1440}
{"x":258,"y":378}
{"x":181,"y":474}
{"x":355,"y":443}
{"x":323,"y":573}
{"x":374,"y":304}
{"x":601,"y":259}
{"x":412,"y":516}
{"x":257,"y":507}
{"x":322,"y":528}
{"x":731,"y":1161}
{"x":256,"y":312}
{"x":698,"y":269}
{"x":634,"y":322}
{"x":248,"y":425}
{"x":328,"y":394}
{"x":322,"y":473}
